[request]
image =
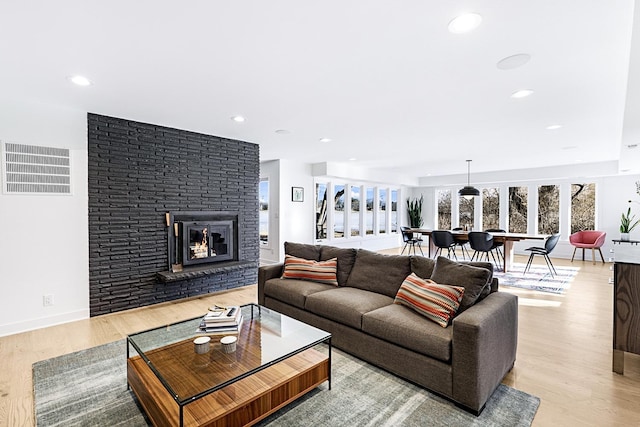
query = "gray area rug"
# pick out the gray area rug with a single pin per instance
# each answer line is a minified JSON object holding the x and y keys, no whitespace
{"x":88,"y":388}
{"x":538,"y":278}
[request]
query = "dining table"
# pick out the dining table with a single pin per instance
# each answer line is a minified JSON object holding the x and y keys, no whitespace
{"x":507,"y":239}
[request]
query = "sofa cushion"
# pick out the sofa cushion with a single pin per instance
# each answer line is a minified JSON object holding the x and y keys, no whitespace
{"x":382,"y":274}
{"x":404,"y":327}
{"x":438,"y":303}
{"x":293,"y":292}
{"x":346,"y":257}
{"x":473,"y":279}
{"x":345,"y":305}
{"x":302,"y":250}
{"x":423,"y":267}
{"x":306,"y":269}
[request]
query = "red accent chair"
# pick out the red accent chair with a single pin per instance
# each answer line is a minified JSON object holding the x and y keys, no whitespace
{"x":588,"y":239}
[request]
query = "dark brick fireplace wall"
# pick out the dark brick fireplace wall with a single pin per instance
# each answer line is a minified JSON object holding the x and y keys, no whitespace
{"x":137,"y":173}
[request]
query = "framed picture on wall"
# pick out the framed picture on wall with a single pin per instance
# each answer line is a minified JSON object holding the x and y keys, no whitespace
{"x":297,"y":194}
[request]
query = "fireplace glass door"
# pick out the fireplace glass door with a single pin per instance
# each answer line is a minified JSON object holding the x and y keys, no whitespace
{"x":207,"y":242}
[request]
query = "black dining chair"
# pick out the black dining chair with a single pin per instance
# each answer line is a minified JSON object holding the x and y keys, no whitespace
{"x":411,"y":240}
{"x":549,"y":244}
{"x":498,"y":247}
{"x":443,"y":239}
{"x":482,"y":243}
{"x":461,"y":243}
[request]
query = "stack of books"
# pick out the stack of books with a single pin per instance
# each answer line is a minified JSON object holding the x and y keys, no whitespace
{"x":221,"y":320}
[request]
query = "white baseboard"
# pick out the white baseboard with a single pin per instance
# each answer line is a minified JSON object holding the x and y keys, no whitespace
{"x":43,"y":322}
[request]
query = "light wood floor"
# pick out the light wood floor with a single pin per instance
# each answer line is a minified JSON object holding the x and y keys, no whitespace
{"x":564,"y":351}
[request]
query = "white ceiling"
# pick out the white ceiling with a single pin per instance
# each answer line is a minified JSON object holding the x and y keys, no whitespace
{"x":384,"y":80}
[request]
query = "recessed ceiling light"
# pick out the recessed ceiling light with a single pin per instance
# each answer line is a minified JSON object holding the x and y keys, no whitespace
{"x":569,"y":147}
{"x":553,"y":127}
{"x":464,"y":23}
{"x":283,"y":132}
{"x":523,"y":93}
{"x":325,"y":139}
{"x":238,"y":119}
{"x":352,"y":159}
{"x":513,"y":61}
{"x":80,"y":80}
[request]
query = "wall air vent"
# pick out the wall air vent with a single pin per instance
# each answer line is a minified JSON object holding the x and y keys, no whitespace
{"x":32,"y":169}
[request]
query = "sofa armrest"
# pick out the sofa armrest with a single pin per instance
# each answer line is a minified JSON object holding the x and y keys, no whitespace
{"x":485,"y":339}
{"x":266,"y":272}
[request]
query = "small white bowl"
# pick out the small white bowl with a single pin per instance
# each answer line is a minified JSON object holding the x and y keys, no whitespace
{"x":201,"y":344}
{"x":228,"y":344}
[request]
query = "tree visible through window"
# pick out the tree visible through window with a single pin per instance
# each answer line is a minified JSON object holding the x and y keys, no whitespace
{"x":583,"y":207}
{"x":548,"y":209}
{"x":321,"y":211}
{"x":354,"y":215}
{"x":338,"y":211}
{"x":490,"y":208}
{"x":444,"y":210}
{"x":518,"y":209}
{"x":466,"y":212}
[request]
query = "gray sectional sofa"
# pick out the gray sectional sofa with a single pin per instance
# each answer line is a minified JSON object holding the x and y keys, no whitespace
{"x":463,"y":362}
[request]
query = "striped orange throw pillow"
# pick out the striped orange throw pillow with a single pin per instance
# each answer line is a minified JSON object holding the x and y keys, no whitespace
{"x":306,"y":269}
{"x":436,"y":302}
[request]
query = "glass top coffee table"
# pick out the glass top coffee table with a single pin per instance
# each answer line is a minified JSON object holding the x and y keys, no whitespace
{"x":277,"y":359}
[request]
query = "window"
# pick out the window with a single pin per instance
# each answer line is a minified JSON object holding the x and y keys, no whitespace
{"x":444,"y":210}
{"x":490,"y":208}
{"x":518,"y":209}
{"x":321,"y":211}
{"x":263,"y":206}
{"x":354,"y":215}
{"x":382,"y":211}
{"x":338,"y":211}
{"x":394,"y":211}
{"x":583,"y":207}
{"x":369,"y":212}
{"x":466,"y":212}
{"x":548,"y":209}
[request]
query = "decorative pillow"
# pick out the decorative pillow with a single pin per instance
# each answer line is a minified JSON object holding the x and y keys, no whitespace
{"x":473,"y":279}
{"x":438,"y":303}
{"x":307,"y":269}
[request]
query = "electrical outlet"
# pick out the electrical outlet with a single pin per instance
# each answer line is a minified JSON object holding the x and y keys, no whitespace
{"x":47,"y":300}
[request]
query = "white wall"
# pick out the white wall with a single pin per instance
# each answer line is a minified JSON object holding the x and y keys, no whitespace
{"x":44,"y":239}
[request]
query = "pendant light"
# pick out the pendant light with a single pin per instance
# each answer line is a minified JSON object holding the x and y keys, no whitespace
{"x":468,"y":191}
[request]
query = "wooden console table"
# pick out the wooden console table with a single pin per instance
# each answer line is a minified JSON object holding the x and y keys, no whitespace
{"x":626,"y":305}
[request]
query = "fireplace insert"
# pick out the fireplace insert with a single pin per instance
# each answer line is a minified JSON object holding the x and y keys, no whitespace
{"x":205,"y":242}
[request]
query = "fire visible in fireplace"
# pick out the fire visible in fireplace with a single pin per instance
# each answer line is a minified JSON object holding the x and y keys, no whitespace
{"x":207,"y":242}
{"x":201,"y":237}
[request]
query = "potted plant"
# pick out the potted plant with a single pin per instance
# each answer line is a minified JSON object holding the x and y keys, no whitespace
{"x":627,"y":224}
{"x":414,"y":208}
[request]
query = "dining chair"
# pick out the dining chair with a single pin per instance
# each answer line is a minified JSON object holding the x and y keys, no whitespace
{"x":549,"y":244}
{"x":588,"y":239}
{"x":498,"y":246}
{"x":443,"y":239}
{"x":462,"y":243}
{"x":411,"y":240}
{"x":482,"y":243}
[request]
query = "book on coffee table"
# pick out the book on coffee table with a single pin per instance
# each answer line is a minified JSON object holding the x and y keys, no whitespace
{"x":225,"y":320}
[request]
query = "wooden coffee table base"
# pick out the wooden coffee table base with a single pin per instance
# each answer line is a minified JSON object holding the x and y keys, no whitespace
{"x":242,"y":403}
